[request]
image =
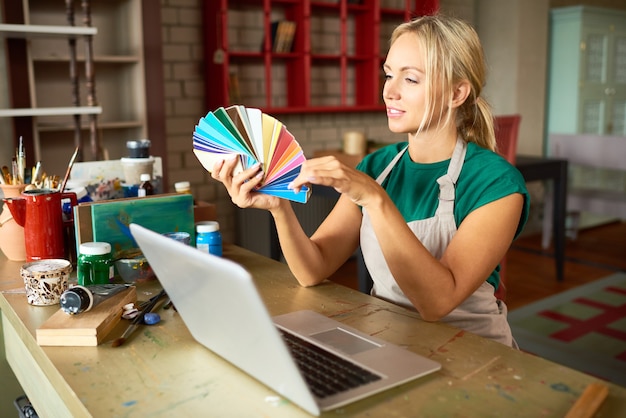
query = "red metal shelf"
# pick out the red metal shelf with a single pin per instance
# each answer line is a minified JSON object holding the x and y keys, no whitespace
{"x":309,"y":79}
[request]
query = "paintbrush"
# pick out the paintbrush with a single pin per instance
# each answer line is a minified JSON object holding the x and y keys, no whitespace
{"x":21,"y":162}
{"x":36,"y":172}
{"x":6,"y":173}
{"x":134,"y":324}
{"x":69,"y":170}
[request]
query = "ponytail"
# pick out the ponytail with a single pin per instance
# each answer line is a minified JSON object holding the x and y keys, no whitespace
{"x":475,"y":123}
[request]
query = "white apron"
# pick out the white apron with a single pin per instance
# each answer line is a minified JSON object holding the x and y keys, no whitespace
{"x":481,"y":313}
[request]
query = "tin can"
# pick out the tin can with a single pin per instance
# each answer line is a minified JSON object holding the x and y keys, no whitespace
{"x":209,"y":238}
{"x":95,"y":263}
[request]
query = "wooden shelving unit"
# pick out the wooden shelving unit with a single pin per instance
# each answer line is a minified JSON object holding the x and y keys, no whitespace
{"x":128,"y":77}
{"x":334,"y":65}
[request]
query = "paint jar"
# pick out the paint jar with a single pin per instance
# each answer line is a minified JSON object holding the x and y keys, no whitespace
{"x":209,"y":238}
{"x":95,"y":263}
{"x":135,"y":167}
{"x":183,"y":187}
{"x":81,"y":197}
{"x":46,"y":280}
{"x":139,"y":148}
{"x":184,"y":237}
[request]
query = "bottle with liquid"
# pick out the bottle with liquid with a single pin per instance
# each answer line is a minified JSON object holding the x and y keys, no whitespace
{"x":209,"y":238}
{"x":145,"y":187}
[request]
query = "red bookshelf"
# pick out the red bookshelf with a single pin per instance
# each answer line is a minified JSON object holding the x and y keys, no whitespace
{"x":334,"y":64}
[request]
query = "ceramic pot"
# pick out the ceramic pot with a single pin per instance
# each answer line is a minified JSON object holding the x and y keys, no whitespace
{"x":11,"y":234}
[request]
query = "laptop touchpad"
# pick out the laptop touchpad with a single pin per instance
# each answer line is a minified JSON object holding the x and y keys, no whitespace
{"x":344,"y":341}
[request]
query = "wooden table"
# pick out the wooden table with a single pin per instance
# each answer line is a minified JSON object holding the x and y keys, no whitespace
{"x":162,"y":371}
{"x":555,"y":170}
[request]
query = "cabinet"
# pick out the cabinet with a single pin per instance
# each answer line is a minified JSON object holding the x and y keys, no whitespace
{"x":587,"y":92}
{"x":128,"y":77}
{"x":334,"y":64}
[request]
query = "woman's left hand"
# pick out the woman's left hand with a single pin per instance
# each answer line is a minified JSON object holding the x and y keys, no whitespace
{"x":329,"y":171}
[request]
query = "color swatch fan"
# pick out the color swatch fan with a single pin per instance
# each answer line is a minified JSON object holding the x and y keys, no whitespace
{"x":251,"y":136}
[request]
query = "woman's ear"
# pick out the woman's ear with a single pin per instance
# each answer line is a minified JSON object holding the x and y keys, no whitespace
{"x":461,"y":92}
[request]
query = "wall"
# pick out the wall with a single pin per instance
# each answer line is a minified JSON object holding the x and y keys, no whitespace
{"x":516,"y":84}
{"x":6,"y":130}
{"x":609,"y":4}
{"x":182,"y":54}
{"x":513,"y":32}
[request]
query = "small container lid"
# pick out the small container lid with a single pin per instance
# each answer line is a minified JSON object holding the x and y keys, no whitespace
{"x":208,"y":226}
{"x":141,"y":143}
{"x":182,"y":186}
{"x":95,"y":248}
{"x":145,"y":177}
{"x":75,"y":300}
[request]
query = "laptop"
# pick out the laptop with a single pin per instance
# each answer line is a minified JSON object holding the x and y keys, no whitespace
{"x":205,"y":287}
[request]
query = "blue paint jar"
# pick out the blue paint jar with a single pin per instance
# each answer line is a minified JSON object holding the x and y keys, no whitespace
{"x":81,"y":197}
{"x":209,"y":238}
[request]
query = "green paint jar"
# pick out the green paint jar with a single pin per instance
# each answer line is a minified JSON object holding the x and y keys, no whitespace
{"x":95,"y":263}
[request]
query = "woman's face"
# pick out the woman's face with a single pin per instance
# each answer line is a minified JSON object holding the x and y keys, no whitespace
{"x":405,"y":86}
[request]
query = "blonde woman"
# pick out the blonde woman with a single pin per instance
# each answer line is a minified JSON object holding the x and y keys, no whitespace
{"x":433,"y":215}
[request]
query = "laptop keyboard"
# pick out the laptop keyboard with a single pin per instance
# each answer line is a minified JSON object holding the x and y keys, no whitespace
{"x":325,"y":373}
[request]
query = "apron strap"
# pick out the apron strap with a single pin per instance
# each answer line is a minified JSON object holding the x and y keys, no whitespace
{"x":447,"y":182}
{"x":390,"y":166}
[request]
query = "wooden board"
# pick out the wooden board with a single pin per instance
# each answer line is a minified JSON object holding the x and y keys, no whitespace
{"x":87,"y":328}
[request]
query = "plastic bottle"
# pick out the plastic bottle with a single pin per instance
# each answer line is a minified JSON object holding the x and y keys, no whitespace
{"x":95,"y":263}
{"x":209,"y":238}
{"x":145,"y":187}
{"x":79,"y":299}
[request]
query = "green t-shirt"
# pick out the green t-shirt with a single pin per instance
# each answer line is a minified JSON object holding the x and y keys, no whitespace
{"x":484,"y":178}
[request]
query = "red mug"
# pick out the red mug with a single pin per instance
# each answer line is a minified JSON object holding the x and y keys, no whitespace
{"x":40,"y":213}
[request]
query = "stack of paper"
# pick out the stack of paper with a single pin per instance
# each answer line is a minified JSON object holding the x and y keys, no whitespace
{"x":251,"y":136}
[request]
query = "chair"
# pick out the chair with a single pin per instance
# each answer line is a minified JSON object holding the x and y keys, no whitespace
{"x":506,"y":130}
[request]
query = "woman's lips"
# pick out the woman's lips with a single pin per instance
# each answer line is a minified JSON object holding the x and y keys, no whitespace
{"x":392,"y":112}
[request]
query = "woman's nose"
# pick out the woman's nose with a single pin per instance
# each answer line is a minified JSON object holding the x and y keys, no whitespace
{"x":389,"y":90}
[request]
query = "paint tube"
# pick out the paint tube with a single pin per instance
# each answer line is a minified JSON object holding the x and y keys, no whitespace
{"x":79,"y":298}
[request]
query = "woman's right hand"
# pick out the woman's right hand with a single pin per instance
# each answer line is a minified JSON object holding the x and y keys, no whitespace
{"x":242,"y":186}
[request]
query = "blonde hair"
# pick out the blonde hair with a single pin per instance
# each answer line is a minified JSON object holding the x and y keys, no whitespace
{"x":453,"y":53}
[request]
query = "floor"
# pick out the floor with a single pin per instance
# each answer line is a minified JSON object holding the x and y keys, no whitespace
{"x":596,"y":253}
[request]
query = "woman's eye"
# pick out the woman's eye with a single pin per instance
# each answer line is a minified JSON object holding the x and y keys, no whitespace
{"x":411,"y":80}
{"x":387,"y":76}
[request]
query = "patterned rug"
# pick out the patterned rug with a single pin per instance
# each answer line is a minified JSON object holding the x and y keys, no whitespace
{"x":583,"y":328}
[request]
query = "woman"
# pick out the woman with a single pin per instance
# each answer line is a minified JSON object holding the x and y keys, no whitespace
{"x":433,"y":215}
